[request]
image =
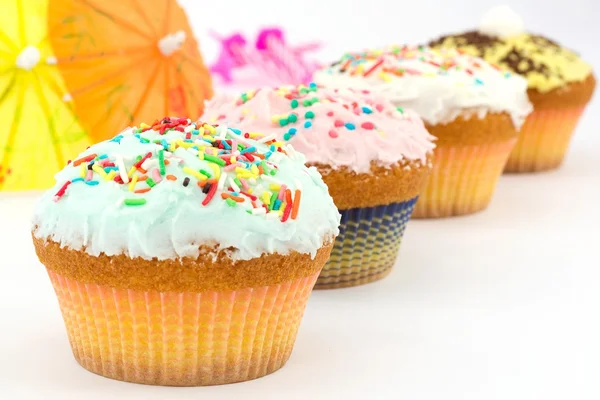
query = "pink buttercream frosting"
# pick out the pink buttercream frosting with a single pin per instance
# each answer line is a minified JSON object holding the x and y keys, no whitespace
{"x":335,"y":127}
{"x":339,"y":128}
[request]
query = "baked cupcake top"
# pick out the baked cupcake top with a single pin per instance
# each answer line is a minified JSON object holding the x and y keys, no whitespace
{"x":333,"y":128}
{"x":162,"y":191}
{"x":439,"y":85}
{"x":501,"y":39}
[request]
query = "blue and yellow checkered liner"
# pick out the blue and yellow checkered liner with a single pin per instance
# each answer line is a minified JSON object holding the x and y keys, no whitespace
{"x":367,"y":245}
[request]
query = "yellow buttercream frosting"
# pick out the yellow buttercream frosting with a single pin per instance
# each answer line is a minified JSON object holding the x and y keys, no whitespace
{"x":544,"y":63}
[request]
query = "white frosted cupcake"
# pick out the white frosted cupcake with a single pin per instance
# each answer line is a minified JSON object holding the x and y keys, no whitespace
{"x":474,"y":109}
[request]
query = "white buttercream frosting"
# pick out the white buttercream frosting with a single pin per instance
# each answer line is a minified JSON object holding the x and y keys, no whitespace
{"x":439,"y":85}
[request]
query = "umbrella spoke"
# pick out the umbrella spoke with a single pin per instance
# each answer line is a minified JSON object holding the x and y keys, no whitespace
{"x":7,"y":70}
{"x":204,"y":85}
{"x":113,"y":104}
{"x":43,"y":102}
{"x":186,"y":83}
{"x":149,"y":86}
{"x":21,"y":17}
{"x":6,"y":55}
{"x":9,"y":87}
{"x":167,"y":87}
{"x":102,"y":54}
{"x":167,"y":17}
{"x":105,"y":78}
{"x":117,"y":19}
{"x":201,"y":69}
{"x":52,"y":83}
{"x":8,"y":146}
{"x":59,"y":25}
{"x":8,"y":42}
{"x":140,"y":10}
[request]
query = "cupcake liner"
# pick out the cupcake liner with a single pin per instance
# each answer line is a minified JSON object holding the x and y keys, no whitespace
{"x":182,"y":339}
{"x":463,"y":179}
{"x":367,"y":245}
{"x":544,"y":140}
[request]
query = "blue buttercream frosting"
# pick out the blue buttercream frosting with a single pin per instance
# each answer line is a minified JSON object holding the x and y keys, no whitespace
{"x":164,"y":191}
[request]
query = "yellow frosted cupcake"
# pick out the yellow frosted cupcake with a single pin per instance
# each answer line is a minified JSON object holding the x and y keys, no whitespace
{"x":560,"y":84}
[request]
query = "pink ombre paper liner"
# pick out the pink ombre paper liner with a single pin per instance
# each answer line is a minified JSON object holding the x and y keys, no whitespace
{"x":463,"y":179}
{"x":544,"y":140}
{"x":182,"y":339}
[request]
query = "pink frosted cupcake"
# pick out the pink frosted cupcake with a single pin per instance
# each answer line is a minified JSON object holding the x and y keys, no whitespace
{"x":373,"y":156}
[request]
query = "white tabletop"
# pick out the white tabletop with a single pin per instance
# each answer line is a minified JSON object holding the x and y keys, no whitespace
{"x":504,"y":304}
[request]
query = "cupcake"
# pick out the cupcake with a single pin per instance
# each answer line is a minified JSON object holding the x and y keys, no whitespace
{"x":183,"y":254}
{"x":373,"y":157}
{"x":473,"y":109}
{"x":560,"y":84}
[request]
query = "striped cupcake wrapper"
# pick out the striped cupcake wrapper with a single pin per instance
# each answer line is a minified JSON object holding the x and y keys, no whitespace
{"x":182,"y":339}
{"x":463,"y":179}
{"x":544,"y":140}
{"x":367,"y":245}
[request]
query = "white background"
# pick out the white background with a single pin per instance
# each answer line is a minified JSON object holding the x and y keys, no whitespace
{"x":504,"y":304}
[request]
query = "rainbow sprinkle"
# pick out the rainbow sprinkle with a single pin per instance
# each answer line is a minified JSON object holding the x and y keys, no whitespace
{"x":235,"y":168}
{"x":387,"y":63}
{"x":301,"y":112}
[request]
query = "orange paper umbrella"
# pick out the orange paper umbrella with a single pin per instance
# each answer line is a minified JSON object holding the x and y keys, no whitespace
{"x":38,"y":130}
{"x":127,"y":61}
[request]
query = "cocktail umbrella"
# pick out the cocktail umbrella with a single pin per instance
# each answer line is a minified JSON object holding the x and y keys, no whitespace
{"x":127,"y":61}
{"x":39,"y":131}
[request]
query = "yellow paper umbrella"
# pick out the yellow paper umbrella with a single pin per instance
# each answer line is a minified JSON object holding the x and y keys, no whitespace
{"x":39,"y":131}
{"x":127,"y":61}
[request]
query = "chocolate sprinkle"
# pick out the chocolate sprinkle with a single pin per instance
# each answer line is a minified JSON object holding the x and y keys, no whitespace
{"x":523,"y":65}
{"x":478,"y":40}
{"x":515,"y":59}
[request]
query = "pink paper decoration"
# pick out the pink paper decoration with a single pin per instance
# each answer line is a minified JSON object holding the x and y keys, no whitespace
{"x":269,"y":62}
